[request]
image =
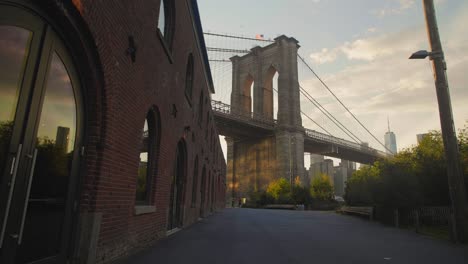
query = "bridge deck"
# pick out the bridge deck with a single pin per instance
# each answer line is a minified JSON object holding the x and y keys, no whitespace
{"x":237,"y":124}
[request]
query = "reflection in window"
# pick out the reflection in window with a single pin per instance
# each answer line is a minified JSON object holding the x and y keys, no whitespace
{"x":56,"y":134}
{"x":166,"y":21}
{"x":162,"y":18}
{"x":142,"y":180}
{"x":189,"y":77}
{"x":55,"y":146}
{"x":14,"y":47}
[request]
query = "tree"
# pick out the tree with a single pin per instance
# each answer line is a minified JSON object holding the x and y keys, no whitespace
{"x":280,"y":190}
{"x":463,"y":145}
{"x":321,"y":188}
{"x":431,"y":169}
{"x":301,"y":195}
{"x":397,"y":185}
{"x":360,"y":186}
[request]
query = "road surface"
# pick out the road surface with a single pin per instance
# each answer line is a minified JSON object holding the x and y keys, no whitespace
{"x":259,"y":236}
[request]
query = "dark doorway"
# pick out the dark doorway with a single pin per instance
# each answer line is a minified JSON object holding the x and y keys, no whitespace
{"x":202,"y":193}
{"x":40,"y":131}
{"x":178,"y":188}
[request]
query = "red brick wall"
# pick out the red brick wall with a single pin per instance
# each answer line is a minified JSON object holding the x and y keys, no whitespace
{"x":130,"y":90}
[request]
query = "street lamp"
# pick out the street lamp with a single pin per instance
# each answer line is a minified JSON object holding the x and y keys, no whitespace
{"x":454,"y":173}
{"x":422,"y":54}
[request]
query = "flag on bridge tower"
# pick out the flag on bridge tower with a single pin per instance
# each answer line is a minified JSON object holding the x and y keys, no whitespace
{"x":259,"y":36}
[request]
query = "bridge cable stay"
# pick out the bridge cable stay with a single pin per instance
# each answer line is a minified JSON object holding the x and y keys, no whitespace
{"x":322,"y":109}
{"x":347,"y":109}
{"x":326,"y":131}
{"x":330,"y":116}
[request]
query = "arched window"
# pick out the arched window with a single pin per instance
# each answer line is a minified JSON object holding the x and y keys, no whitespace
{"x":166,"y":21}
{"x":189,"y":78}
{"x":200,"y":109}
{"x":147,"y":167}
{"x":195,"y":182}
{"x":143,"y":179}
{"x":177,"y":194}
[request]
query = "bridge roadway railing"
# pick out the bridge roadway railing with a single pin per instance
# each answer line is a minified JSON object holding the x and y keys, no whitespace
{"x":225,"y":109}
{"x":342,"y":142}
{"x":255,"y":119}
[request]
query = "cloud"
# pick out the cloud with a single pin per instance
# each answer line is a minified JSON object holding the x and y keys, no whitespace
{"x":382,"y":81}
{"x":368,"y":49}
{"x":394,"y":7}
{"x":324,"y":56}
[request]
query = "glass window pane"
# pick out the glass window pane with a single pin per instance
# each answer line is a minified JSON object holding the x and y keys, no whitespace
{"x":142,"y":186}
{"x":162,"y":18}
{"x":55,"y":145}
{"x":14,"y":48}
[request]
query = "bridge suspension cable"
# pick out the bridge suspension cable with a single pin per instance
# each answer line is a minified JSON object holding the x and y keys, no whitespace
{"x":306,"y":115}
{"x":336,"y":97}
{"x":330,"y":116}
{"x":236,"y":37}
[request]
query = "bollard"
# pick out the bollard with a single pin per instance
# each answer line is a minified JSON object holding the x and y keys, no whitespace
{"x":397,"y":224}
{"x":417,"y":221}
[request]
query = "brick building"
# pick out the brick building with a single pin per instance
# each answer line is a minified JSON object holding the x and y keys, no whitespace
{"x":107,"y":138}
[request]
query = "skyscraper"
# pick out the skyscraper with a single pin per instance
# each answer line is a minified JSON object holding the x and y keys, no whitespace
{"x":420,"y":137}
{"x":63,"y":137}
{"x":390,"y":141}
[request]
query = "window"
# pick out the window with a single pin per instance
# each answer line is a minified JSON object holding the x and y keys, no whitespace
{"x":195,"y":182}
{"x":143,"y":172}
{"x":166,"y":21}
{"x":148,"y":159}
{"x":189,"y":78}
{"x":200,"y":109}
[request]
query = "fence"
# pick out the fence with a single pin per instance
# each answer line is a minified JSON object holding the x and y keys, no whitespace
{"x":415,"y":217}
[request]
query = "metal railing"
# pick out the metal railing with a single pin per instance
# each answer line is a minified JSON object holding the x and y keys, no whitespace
{"x":342,"y":142}
{"x":256,"y":119}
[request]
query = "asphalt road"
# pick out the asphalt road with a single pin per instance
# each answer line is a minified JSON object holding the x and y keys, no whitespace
{"x":278,"y":236}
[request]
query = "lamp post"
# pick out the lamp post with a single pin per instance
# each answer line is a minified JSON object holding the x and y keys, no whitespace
{"x":454,"y":172}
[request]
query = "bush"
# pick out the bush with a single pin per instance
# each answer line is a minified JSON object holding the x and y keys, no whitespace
{"x":321,"y":188}
{"x":280,"y":190}
{"x":412,"y":178}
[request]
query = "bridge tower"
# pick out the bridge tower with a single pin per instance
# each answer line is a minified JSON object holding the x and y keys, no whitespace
{"x":254,"y":161}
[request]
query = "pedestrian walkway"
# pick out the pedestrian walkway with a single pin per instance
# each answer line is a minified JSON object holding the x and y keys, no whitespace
{"x":258,"y":236}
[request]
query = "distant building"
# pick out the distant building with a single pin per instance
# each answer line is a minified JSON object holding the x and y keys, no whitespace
{"x":390,"y":141}
{"x":342,"y":173}
{"x":62,"y":138}
{"x":320,"y":165}
{"x":419,"y":137}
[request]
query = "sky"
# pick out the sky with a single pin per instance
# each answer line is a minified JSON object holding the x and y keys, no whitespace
{"x":360,"y":48}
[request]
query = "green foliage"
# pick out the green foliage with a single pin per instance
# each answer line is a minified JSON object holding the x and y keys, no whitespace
{"x":321,"y":188}
{"x":359,"y":188}
{"x":414,"y":177}
{"x":301,"y":195}
{"x":280,"y":190}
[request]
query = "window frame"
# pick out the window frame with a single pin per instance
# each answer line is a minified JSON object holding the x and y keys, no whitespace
{"x":189,"y":79}
{"x":154,"y":128}
{"x":167,"y":37}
